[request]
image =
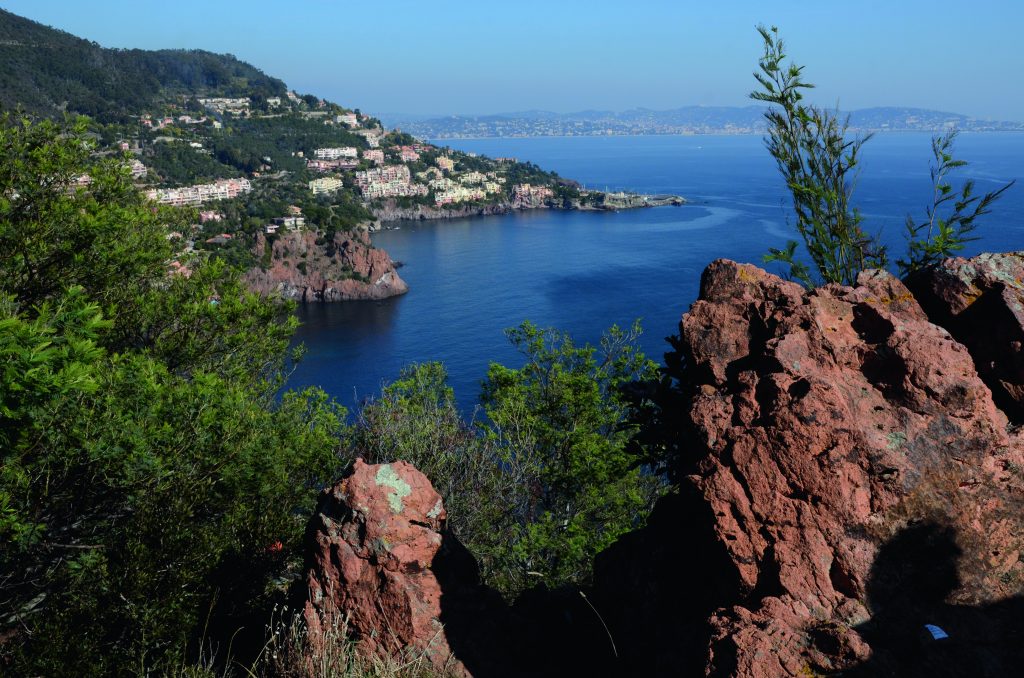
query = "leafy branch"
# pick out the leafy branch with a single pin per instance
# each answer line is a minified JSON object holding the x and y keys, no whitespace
{"x":818,"y":162}
{"x":937,"y":237}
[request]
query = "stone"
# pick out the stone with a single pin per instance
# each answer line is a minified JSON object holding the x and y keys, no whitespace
{"x":824,"y":424}
{"x":374,"y":542}
{"x":981,"y":302}
{"x":303,"y":268}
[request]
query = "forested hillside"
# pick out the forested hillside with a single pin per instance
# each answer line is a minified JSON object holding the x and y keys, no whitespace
{"x":47,"y":71}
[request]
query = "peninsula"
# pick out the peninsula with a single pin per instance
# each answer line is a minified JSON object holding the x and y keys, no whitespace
{"x":285,"y":185}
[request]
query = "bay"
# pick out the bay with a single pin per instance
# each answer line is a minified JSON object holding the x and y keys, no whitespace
{"x":581,"y":272}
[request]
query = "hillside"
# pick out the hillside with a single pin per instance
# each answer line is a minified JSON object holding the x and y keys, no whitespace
{"x":257,"y":161}
{"x":47,"y":71}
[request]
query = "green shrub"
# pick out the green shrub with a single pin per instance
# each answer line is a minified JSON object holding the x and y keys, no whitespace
{"x":149,"y":476}
{"x":817,"y":159}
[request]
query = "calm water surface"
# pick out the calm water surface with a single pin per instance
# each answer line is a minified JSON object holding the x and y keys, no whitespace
{"x":470,"y":279}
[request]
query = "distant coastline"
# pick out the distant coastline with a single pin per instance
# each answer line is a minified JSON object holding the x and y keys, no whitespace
{"x":690,"y":120}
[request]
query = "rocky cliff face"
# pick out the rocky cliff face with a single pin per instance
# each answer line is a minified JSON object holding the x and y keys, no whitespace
{"x":826,"y":424}
{"x":850,"y":500}
{"x":392,"y":212}
{"x":302,"y":267}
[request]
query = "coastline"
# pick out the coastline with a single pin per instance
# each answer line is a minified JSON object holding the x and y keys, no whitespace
{"x":609,"y":202}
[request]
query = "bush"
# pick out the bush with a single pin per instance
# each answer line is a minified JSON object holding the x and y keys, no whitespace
{"x":818,"y":161}
{"x":149,"y":477}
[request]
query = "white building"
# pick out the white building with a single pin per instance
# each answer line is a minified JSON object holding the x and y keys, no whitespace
{"x":335,"y":153}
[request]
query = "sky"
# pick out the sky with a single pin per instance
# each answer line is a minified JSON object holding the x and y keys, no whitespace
{"x":424,"y":57}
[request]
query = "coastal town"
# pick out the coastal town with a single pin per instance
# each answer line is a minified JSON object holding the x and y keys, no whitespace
{"x":269,"y":166}
{"x":376,"y":173}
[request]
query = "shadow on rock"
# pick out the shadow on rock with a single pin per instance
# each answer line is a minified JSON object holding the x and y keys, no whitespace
{"x":915,"y":631}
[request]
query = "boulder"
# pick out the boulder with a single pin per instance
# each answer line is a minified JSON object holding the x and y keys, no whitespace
{"x":374,"y":543}
{"x":981,"y":302}
{"x":825,"y":423}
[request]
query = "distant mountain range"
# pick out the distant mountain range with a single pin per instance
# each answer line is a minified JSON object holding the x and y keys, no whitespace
{"x":686,"y":120}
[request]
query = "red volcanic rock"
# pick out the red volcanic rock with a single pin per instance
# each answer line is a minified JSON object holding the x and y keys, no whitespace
{"x":981,"y":302}
{"x":302,"y":268}
{"x":374,"y":540}
{"x":826,"y":422}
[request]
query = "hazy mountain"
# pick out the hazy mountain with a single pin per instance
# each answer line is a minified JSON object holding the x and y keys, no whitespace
{"x":685,"y":120}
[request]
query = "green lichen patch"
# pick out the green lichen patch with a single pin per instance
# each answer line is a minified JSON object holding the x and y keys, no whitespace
{"x":387,"y":477}
{"x":897,"y":439}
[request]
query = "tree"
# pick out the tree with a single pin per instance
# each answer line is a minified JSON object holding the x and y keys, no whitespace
{"x":939,"y":237}
{"x":147,"y":468}
{"x":561,"y":424}
{"x":816,"y":159}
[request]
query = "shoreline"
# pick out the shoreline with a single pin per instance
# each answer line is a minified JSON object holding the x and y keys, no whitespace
{"x":611,"y":202}
{"x":702,"y":134}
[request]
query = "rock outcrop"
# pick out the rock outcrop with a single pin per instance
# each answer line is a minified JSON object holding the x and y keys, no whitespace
{"x":826,"y":423}
{"x":305,"y":267}
{"x":391,"y":211}
{"x":374,"y":542}
{"x":849,"y":494}
{"x":981,"y":302}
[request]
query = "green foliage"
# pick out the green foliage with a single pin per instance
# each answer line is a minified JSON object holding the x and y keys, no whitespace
{"x":939,"y":237}
{"x":177,"y":163}
{"x":811,"y":149}
{"x":145,"y":463}
{"x":816,"y":159}
{"x":55,"y":234}
{"x":47,"y":71}
{"x":561,"y":424}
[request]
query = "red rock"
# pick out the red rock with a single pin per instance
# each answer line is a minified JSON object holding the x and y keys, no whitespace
{"x":374,"y":541}
{"x":826,"y":422}
{"x":981,"y":302}
{"x":303,"y":269}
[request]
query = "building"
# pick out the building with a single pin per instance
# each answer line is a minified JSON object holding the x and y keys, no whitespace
{"x":192,"y":196}
{"x":388,"y":181}
{"x":330,"y":165}
{"x":291,"y":223}
{"x":138,"y":170}
{"x":445,"y":163}
{"x":325,"y":185}
{"x":408,"y":154}
{"x":472,"y":178}
{"x":226,"y":105}
{"x":458,"y":194}
{"x":375,"y":156}
{"x":335,"y":153}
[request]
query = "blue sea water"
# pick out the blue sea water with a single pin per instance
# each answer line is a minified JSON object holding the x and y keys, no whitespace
{"x":581,"y":272}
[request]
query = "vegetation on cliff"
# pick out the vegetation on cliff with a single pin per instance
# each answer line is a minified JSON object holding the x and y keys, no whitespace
{"x":156,"y":481}
{"x":818,"y":160}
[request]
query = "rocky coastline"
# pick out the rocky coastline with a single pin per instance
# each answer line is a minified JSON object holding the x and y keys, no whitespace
{"x":390,"y":211}
{"x":305,"y":267}
{"x":849,"y":500}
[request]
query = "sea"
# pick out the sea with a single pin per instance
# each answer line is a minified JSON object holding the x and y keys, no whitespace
{"x":582,"y":272}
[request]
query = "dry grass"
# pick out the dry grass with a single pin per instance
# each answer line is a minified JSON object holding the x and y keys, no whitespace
{"x":289,"y":654}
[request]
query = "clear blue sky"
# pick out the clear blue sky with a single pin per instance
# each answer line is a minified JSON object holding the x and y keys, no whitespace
{"x":479,"y":56}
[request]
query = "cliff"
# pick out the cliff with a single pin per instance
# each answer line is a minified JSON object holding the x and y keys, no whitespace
{"x":849,"y":495}
{"x":302,"y":266}
{"x":390,"y":211}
